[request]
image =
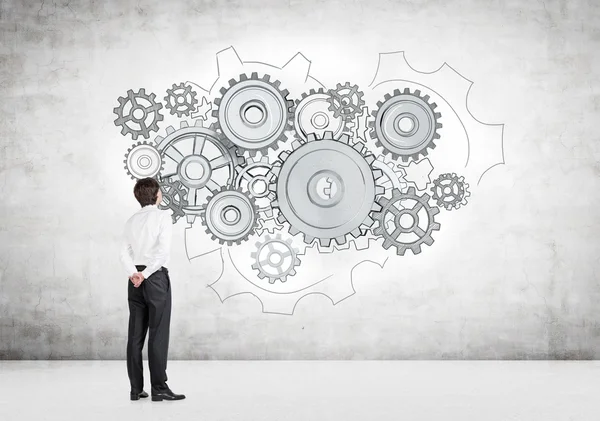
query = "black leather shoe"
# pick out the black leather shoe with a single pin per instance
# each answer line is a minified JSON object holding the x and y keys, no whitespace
{"x":166,"y":395}
{"x":136,"y":396}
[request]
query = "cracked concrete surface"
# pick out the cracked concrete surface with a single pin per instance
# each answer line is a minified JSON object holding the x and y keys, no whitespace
{"x":513,"y":275}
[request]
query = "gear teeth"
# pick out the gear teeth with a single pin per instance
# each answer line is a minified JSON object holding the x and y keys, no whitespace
{"x":243,"y":77}
{"x":281,"y":219}
{"x":368,"y":221}
{"x":296,"y":144}
{"x":379,"y":190}
{"x":266,"y":78}
{"x":370,"y":159}
{"x":293,"y":231}
{"x":254,"y":76}
{"x":341,"y":240}
{"x":324,"y":242}
{"x":183,"y":124}
{"x":327,"y":135}
{"x":356,"y":233}
{"x":308,"y":239}
{"x":170,"y":129}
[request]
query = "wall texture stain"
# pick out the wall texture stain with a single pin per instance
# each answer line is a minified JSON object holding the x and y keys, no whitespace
{"x":516,"y":277}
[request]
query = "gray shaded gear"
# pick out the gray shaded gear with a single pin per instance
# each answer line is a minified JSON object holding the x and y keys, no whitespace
{"x":312,"y":115}
{"x":230,"y":216}
{"x":389,"y":219}
{"x":138,"y":114}
{"x":173,"y":198}
{"x":393,"y":175}
{"x":143,"y":160}
{"x":450,"y":191}
{"x":346,"y":101}
{"x":317,"y":166}
{"x":253,"y":113}
{"x":181,"y":99}
{"x":405,"y":124}
{"x":275,"y":258}
{"x":254,"y":178}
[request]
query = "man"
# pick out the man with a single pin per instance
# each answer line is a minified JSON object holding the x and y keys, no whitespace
{"x":145,"y":255}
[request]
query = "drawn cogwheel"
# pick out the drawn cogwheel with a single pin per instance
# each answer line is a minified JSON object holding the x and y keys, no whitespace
{"x":346,"y":101}
{"x":230,"y":216}
{"x":173,"y":198}
{"x":405,"y":227}
{"x":138,"y":114}
{"x":254,"y":113}
{"x":405,"y":124}
{"x":181,"y":99}
{"x":325,"y":188}
{"x":393,"y":175}
{"x":143,"y":160}
{"x":450,"y":191}
{"x":313,"y":115}
{"x":276,"y":259}
{"x":254,"y":178}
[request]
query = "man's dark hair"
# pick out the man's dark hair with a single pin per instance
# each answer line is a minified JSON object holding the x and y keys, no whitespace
{"x":146,"y":191}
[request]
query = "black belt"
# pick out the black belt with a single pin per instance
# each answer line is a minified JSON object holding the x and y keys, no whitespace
{"x":142,"y":267}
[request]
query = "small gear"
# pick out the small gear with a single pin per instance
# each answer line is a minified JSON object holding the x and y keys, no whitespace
{"x":325,"y":188}
{"x":450,"y":191}
{"x":405,"y":124}
{"x":254,"y":113}
{"x":276,"y":259}
{"x":393,"y":175}
{"x":230,"y":216}
{"x":254,"y":178}
{"x":138,"y":109}
{"x":399,"y":225}
{"x":346,"y":101}
{"x":173,"y":198}
{"x":143,"y":160}
{"x":312,"y":115}
{"x":181,"y":99}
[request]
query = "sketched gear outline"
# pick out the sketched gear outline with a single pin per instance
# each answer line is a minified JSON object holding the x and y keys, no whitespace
{"x":240,"y":97}
{"x":389,"y":206}
{"x":181,"y":99}
{"x":393,"y":175}
{"x":173,"y":193}
{"x":450,"y":191}
{"x":132,"y":99}
{"x":419,"y":111}
{"x":275,"y":269}
{"x":139,"y":153}
{"x":314,"y":107}
{"x":297,"y":205}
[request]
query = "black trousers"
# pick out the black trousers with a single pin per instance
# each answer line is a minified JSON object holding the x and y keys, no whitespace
{"x":149,"y":309}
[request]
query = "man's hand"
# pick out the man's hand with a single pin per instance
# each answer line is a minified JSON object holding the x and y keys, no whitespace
{"x":137,"y":279}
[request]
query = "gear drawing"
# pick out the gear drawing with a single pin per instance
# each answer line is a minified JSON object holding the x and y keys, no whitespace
{"x":405,"y":124}
{"x":181,"y":99}
{"x":209,"y":166}
{"x":275,"y":258}
{"x":253,"y":113}
{"x":393,"y":175}
{"x":325,"y":188}
{"x":138,"y":114}
{"x":396,"y":222}
{"x":450,"y":191}
{"x":173,"y":198}
{"x":312,"y":115}
{"x":230,"y":216}
{"x":346,"y":101}
{"x":254,"y":178}
{"x":143,"y":160}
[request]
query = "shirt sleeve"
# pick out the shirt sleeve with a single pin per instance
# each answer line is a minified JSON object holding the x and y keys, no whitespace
{"x":163,"y":246}
{"x":127,"y":256}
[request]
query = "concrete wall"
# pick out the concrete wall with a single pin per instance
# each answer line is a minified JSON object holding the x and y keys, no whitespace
{"x":514,"y":276}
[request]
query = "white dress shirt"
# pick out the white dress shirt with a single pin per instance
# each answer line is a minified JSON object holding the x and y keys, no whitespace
{"x":147,"y":240}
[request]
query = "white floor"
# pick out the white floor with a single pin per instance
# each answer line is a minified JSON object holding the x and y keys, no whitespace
{"x":307,"y":391}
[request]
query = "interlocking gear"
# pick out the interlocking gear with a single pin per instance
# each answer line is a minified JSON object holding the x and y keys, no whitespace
{"x":313,"y":115}
{"x":207,"y":165}
{"x":181,"y":99}
{"x":254,"y":113}
{"x":393,"y":175}
{"x":173,"y":198}
{"x":275,"y":258}
{"x":450,"y":191}
{"x":399,"y":225}
{"x":346,"y":101}
{"x":143,"y":160}
{"x":254,"y":178}
{"x":138,"y":109}
{"x":325,"y":188}
{"x":405,"y":124}
{"x":230,"y":216}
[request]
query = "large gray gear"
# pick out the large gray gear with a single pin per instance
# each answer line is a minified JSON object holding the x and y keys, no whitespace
{"x":142,"y":110}
{"x":254,"y":114}
{"x":312,"y":115}
{"x":181,"y":99}
{"x":390,"y":216}
{"x":143,"y":160}
{"x":254,"y":178}
{"x":450,"y":191}
{"x":173,"y":198}
{"x":275,"y":258}
{"x":405,"y":124}
{"x":230,"y":216}
{"x":346,"y":101}
{"x":317,"y":166}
